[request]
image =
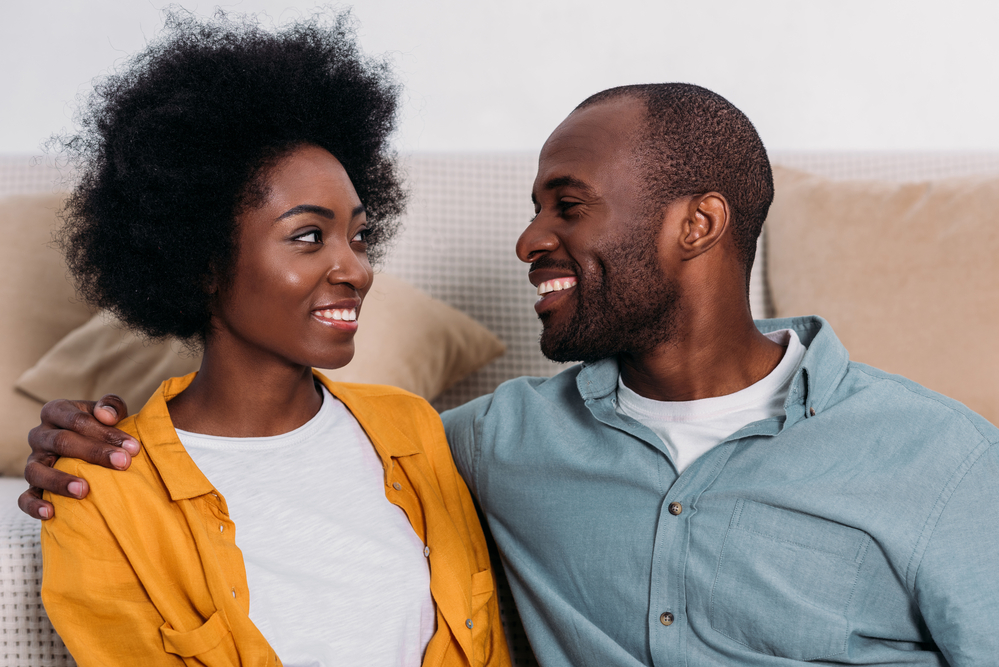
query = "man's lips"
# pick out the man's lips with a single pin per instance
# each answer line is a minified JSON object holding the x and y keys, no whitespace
{"x":557,"y":284}
{"x":552,"y":291}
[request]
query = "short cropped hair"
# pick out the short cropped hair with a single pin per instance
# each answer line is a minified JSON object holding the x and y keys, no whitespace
{"x":695,"y":141}
{"x":174,"y":146}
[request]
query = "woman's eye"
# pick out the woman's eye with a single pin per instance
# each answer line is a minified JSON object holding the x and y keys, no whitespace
{"x":313,"y":236}
{"x":361,"y":236}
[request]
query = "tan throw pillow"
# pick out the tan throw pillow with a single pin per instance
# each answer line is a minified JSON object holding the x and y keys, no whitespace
{"x":906,"y":273}
{"x":405,"y":339}
{"x":38,"y":307}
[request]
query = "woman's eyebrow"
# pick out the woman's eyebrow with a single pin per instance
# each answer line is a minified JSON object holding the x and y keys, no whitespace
{"x":307,"y":208}
{"x":318,"y":210}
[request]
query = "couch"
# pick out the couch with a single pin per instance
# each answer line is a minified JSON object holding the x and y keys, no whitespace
{"x":898,"y":251}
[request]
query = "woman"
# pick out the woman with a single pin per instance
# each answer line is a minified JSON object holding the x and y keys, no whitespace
{"x":235,"y":184}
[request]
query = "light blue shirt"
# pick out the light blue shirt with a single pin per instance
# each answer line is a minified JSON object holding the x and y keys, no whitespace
{"x":861,"y":527}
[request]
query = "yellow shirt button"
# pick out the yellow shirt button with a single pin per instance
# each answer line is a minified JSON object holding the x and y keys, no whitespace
{"x":397,"y":486}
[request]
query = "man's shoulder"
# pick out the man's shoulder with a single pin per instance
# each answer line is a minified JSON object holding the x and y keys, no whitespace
{"x":870,"y":395}
{"x":520,"y":395}
{"x":896,"y":398}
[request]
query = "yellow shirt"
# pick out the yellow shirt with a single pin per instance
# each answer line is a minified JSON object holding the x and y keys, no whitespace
{"x":146,"y":571}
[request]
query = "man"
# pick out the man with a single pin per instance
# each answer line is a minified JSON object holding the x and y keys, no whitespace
{"x":701,"y":490}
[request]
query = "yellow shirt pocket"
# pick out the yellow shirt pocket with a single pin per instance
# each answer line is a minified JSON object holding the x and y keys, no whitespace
{"x":199,"y":641}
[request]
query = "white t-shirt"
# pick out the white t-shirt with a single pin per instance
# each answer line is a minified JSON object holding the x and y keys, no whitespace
{"x":336,"y":574}
{"x":691,"y":428}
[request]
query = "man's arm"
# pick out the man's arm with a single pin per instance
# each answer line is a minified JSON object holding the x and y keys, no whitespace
{"x":955,"y":580}
{"x":79,"y":430}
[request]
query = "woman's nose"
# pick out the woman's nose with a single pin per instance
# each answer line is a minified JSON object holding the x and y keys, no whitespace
{"x":352,"y":268}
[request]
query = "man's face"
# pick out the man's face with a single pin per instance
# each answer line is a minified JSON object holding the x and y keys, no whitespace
{"x":593,"y":247}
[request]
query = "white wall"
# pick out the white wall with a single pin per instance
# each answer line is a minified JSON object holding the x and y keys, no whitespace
{"x":500,"y":74}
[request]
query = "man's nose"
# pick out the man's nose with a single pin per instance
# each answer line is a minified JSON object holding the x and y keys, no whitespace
{"x":536,"y":241}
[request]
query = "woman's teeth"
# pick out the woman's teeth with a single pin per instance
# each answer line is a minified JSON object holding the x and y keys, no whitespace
{"x":344,"y":314}
{"x":556,"y":285}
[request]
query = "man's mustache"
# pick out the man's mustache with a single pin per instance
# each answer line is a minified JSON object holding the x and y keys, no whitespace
{"x":549,"y":263}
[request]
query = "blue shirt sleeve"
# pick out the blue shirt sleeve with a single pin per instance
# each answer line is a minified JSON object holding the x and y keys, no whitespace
{"x":957,"y":580}
{"x":460,"y":426}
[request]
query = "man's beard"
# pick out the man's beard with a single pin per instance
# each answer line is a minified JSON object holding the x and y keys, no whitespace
{"x":629,"y":306}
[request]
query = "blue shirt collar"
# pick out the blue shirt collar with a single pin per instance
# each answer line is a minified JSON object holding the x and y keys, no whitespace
{"x":821,"y":370}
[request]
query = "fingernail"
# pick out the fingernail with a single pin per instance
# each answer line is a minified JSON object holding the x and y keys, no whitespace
{"x":130,"y":446}
{"x":76,"y":488}
{"x":45,"y":512}
{"x":110,"y":409}
{"x":119,"y":460}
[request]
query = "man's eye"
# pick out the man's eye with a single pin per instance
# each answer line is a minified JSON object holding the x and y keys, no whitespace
{"x":313,"y":236}
{"x":565,"y":206}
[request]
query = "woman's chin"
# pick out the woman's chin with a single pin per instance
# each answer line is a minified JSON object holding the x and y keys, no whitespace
{"x":335,"y":360}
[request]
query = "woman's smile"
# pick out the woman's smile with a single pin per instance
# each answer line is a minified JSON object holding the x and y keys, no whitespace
{"x":338,"y":316}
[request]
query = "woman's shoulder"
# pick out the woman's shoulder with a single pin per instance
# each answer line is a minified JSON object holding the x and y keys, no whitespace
{"x":140,"y":477}
{"x":379,"y":395}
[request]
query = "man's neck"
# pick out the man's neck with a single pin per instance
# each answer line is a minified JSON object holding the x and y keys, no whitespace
{"x":703,"y":362}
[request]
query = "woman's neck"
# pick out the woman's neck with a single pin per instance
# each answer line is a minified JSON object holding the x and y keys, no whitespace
{"x":238,"y":398}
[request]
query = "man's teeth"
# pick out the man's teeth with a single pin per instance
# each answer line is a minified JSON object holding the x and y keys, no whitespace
{"x":556,"y":285}
{"x":344,"y":314}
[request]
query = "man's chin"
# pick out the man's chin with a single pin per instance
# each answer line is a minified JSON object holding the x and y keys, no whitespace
{"x":557,"y":346}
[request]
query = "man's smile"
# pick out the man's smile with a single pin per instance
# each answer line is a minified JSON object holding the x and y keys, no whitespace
{"x":556,"y":285}
{"x":552,"y":291}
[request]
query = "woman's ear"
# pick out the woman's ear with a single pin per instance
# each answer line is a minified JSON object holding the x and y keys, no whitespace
{"x":706,"y":219}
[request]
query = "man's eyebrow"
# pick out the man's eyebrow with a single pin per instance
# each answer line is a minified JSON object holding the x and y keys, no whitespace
{"x":566,"y":182}
{"x":318,"y":210}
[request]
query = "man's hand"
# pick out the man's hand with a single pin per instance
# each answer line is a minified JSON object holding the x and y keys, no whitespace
{"x":79,"y":430}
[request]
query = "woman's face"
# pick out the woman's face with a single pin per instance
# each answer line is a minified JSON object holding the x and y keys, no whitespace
{"x":301,"y":271}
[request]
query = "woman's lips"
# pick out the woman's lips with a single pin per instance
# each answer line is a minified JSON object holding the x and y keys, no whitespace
{"x":339,"y":318}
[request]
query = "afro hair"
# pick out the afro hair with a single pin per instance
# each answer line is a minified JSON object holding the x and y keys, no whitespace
{"x":175,"y":145}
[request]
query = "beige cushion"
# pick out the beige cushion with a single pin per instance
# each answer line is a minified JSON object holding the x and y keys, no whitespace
{"x":906,"y":273}
{"x":405,"y":338}
{"x":38,"y":308}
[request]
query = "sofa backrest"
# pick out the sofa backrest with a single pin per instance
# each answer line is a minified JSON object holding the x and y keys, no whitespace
{"x":467,"y":210}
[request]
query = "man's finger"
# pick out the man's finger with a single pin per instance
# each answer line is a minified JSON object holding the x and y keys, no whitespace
{"x":110,"y":409}
{"x":62,"y":420}
{"x":31,"y":503}
{"x":89,"y":440}
{"x":43,"y":476}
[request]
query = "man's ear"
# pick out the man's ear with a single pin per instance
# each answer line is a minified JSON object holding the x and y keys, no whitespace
{"x":706,"y":219}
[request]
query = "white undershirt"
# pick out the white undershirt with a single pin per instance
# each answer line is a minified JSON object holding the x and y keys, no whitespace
{"x":691,"y":428}
{"x":336,"y":574}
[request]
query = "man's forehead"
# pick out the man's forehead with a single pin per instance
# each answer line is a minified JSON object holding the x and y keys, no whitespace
{"x":589,"y":140}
